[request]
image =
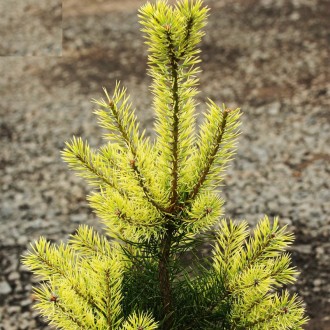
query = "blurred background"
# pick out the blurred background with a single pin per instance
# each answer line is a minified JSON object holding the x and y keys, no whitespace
{"x":270,"y":57}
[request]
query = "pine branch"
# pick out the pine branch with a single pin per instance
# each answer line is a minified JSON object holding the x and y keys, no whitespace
{"x":117,"y":118}
{"x":230,"y":240}
{"x":125,"y":220}
{"x":281,"y":270}
{"x":173,"y":83}
{"x":217,"y":139}
{"x":268,"y":242}
{"x":250,"y":275}
{"x":89,"y":165}
{"x":61,"y":264}
{"x":189,"y":25}
{"x":194,"y":20}
{"x":208,"y":165}
{"x":67,"y":314}
{"x":50,"y":305}
{"x":108,"y":299}
{"x":285,"y":314}
{"x":205,"y":211}
{"x":90,"y":243}
{"x":118,"y":159}
{"x":140,"y":321}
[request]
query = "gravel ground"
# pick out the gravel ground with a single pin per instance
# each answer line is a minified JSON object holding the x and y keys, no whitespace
{"x":270,"y":57}
{"x":30,"y":27}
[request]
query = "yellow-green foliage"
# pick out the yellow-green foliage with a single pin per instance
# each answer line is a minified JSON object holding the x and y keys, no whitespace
{"x":157,"y":201}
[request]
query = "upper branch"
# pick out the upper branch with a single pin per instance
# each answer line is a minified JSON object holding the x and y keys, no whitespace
{"x":216,"y":144}
{"x":189,"y":25}
{"x":121,"y":123}
{"x":205,"y":171}
{"x":173,"y":33}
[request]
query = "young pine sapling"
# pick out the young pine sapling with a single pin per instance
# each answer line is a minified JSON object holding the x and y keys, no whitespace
{"x":157,"y":201}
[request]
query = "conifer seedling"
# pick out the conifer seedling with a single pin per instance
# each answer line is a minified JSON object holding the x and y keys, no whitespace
{"x":158,"y":201}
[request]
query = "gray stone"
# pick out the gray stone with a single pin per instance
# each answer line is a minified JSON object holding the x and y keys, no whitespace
{"x":13,"y":276}
{"x":274,"y":108}
{"x":317,"y":282}
{"x":5,"y":288}
{"x":303,"y":248}
{"x":25,"y":302}
{"x":13,"y":310}
{"x":79,"y":218}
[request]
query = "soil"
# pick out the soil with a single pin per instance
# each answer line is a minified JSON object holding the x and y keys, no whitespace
{"x":270,"y":57}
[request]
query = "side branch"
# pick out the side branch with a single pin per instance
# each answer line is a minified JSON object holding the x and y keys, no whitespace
{"x":189,"y":26}
{"x":70,"y":316}
{"x":133,"y":149}
{"x":211,"y":158}
{"x":99,"y":174}
{"x":108,"y":299}
{"x":120,"y":126}
{"x":46,"y":262}
{"x":81,"y":159}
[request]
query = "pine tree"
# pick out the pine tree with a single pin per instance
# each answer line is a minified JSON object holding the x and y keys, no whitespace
{"x":158,"y":202}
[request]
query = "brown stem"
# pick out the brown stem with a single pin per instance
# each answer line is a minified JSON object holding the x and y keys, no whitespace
{"x":164,"y":278}
{"x":175,"y":98}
